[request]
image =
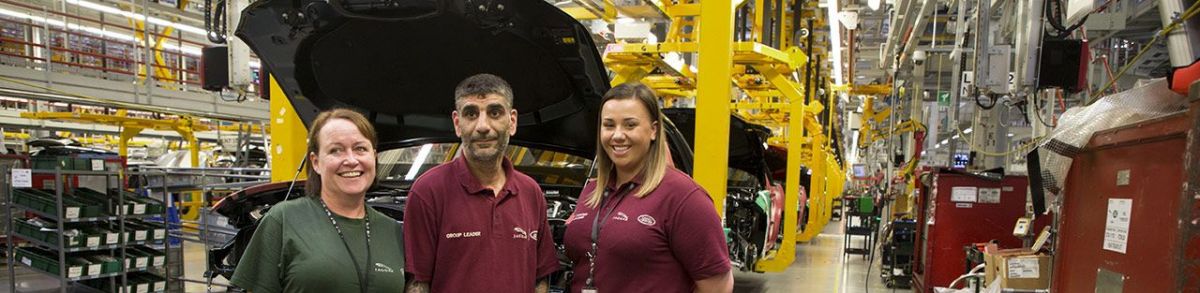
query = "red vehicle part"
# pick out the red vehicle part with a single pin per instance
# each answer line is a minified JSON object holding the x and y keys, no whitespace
{"x":1154,"y":164}
{"x":945,"y":226}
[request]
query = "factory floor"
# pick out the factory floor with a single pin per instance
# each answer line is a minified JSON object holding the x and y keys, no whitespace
{"x":819,"y":267}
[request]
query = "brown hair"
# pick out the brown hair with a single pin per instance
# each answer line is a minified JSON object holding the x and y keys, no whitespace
{"x":656,"y":161}
{"x":312,"y":186}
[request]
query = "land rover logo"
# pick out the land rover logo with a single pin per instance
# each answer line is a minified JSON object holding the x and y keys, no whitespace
{"x":646,"y":220}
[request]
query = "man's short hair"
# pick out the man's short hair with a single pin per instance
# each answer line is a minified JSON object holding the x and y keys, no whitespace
{"x":481,"y":85}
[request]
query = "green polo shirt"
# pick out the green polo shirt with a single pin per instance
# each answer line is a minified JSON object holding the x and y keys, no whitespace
{"x":297,"y":249}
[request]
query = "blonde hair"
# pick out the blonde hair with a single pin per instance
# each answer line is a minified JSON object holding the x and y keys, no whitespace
{"x":654,"y":166}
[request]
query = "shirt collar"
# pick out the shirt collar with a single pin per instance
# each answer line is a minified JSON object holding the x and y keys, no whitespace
{"x":633,"y":183}
{"x":472,"y":185}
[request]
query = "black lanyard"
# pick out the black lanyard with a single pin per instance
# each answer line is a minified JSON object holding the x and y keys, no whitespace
{"x":367,"y":218}
{"x":596,"y":226}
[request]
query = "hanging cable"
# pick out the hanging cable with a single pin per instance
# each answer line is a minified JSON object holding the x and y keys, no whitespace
{"x":1187,"y":14}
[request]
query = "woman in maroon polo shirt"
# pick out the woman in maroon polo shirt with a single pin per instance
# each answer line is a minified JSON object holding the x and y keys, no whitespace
{"x":642,"y":226}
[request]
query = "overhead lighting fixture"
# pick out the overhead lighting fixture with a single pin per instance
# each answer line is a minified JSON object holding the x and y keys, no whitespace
{"x":418,"y":161}
{"x":1010,"y":135}
{"x":955,"y":136}
{"x":97,"y":31}
{"x":137,"y":16}
{"x":873,"y":4}
{"x":945,"y":141}
{"x":968,"y":131}
{"x":835,"y":39}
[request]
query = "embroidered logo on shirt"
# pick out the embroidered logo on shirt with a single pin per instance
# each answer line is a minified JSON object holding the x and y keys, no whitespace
{"x":578,"y":216}
{"x":646,"y":220}
{"x":519,"y":233}
{"x":382,"y":268}
{"x":621,"y":217}
{"x":463,"y":234}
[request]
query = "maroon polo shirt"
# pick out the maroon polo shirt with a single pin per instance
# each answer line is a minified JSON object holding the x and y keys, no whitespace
{"x":662,"y":242}
{"x":459,"y":237}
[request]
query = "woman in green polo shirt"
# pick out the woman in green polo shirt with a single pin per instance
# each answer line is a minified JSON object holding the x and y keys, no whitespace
{"x":328,"y":241}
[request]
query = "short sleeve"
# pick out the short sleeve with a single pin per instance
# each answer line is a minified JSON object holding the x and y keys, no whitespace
{"x":697,"y":238}
{"x":261,"y":267}
{"x":420,"y":233}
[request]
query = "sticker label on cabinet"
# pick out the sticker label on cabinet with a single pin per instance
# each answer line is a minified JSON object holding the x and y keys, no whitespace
{"x":110,"y":238}
{"x":1008,"y":189}
{"x":93,"y":241}
{"x":27,"y":261}
{"x":1116,"y":227}
{"x":73,"y":272}
{"x":160,"y":234}
{"x":72,"y":212}
{"x":989,"y":195}
{"x":964,"y":194}
{"x":141,"y":262}
{"x":139,"y":235}
{"x":22,"y":178}
{"x":97,"y":165}
{"x":964,"y":205}
{"x":139,"y":209}
{"x":1023,"y":268}
{"x":143,"y":288}
{"x":94,"y":269}
{"x":159,"y":260}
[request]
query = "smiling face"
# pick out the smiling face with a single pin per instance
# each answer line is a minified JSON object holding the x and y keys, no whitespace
{"x":484,"y":123}
{"x":345,"y":159}
{"x":626,"y":132}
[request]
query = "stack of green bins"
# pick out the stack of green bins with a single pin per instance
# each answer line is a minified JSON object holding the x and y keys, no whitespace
{"x":43,"y":201}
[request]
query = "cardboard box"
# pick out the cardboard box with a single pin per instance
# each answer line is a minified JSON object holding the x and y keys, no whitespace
{"x":1017,"y":268}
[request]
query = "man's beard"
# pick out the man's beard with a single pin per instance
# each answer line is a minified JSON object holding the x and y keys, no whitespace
{"x":500,"y":145}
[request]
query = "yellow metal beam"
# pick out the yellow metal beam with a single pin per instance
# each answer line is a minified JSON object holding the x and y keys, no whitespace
{"x":289,"y":143}
{"x":712,"y":102}
{"x":791,"y":199}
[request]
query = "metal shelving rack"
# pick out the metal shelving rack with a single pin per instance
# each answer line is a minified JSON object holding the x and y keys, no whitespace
{"x":206,"y":230}
{"x":60,"y":225}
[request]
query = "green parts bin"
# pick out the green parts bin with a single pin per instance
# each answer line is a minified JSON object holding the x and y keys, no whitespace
{"x":43,"y":201}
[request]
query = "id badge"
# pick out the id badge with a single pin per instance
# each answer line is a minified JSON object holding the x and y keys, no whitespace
{"x":589,"y":290}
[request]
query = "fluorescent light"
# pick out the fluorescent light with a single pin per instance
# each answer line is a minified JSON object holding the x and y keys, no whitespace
{"x":955,"y":136}
{"x":945,"y":141}
{"x":1010,"y":135}
{"x":190,"y":50}
{"x":420,"y":160}
{"x":137,"y":16}
{"x":968,"y":131}
{"x":835,"y":39}
{"x":873,"y":4}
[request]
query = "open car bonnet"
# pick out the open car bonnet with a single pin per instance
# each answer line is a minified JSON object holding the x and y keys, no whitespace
{"x":398,"y":62}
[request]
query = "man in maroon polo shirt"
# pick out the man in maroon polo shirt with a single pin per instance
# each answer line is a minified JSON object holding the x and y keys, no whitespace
{"x":476,"y":224}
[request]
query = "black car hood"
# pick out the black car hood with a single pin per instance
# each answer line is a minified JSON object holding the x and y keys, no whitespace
{"x":400,"y":64}
{"x":746,"y":150}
